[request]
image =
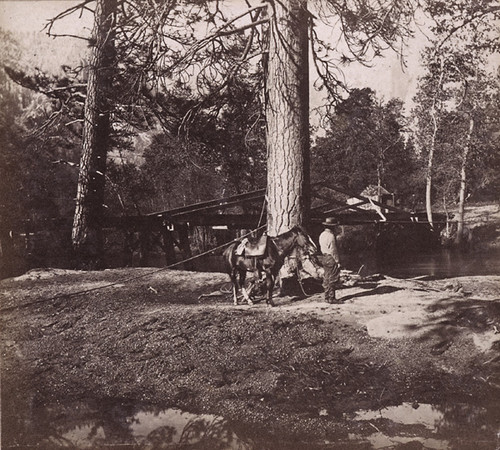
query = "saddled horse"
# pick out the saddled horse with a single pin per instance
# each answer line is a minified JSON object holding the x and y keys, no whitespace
{"x":276,"y":250}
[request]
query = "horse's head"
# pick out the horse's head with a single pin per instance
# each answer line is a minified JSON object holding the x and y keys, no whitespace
{"x":304,"y":242}
{"x":295,"y":240}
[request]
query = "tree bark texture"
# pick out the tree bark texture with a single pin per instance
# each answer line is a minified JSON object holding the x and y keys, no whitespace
{"x":463,"y":184}
{"x":430,"y":161}
{"x":287,"y":115}
{"x":87,"y":232}
{"x":430,"y":166}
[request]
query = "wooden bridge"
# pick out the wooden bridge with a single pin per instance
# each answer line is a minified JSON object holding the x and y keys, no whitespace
{"x":247,"y":211}
{"x":325,"y":203}
{"x":169,"y":230}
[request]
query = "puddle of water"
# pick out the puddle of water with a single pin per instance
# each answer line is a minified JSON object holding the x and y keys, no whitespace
{"x":434,"y":427}
{"x":114,"y":424}
{"x":381,"y":441}
{"x":146,"y":429}
{"x":106,"y":424}
{"x":406,"y":413}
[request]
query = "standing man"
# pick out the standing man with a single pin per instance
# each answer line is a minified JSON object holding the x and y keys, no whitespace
{"x":331,"y":260}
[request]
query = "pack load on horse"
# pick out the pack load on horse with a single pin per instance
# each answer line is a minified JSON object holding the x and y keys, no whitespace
{"x":266,"y":255}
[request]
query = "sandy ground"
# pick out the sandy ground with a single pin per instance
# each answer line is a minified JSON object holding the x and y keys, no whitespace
{"x":294,"y":375}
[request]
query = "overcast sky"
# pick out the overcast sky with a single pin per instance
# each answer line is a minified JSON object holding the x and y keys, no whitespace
{"x":386,"y":77}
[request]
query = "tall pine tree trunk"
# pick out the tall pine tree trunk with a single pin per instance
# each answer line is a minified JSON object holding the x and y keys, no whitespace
{"x":87,"y":230}
{"x":287,"y":121}
{"x":287,"y":115}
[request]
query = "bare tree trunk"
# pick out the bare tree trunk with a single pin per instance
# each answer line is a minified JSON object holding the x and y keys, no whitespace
{"x":87,"y":232}
{"x":287,"y":115}
{"x":430,"y":160}
{"x":428,"y":177}
{"x":463,"y":184}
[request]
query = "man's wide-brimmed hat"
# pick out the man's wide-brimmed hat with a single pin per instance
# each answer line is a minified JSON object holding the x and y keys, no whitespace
{"x":331,"y":221}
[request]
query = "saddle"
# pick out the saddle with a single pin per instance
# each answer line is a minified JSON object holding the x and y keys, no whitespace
{"x":252,"y":246}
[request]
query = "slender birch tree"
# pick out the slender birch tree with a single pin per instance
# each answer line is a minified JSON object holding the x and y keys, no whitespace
{"x":465,"y":35}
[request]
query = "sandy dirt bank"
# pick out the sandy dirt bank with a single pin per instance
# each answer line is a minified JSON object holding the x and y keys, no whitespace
{"x":293,"y":376}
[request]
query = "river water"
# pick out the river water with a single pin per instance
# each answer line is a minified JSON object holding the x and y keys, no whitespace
{"x":440,"y":263}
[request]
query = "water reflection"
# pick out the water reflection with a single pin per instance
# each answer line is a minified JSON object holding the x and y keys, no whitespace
{"x":443,"y":263}
{"x":423,"y":414}
{"x":382,"y":441}
{"x":113,"y":424}
{"x":435,"y":427}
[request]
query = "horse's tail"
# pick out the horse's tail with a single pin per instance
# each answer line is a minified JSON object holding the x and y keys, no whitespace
{"x":228,"y":255}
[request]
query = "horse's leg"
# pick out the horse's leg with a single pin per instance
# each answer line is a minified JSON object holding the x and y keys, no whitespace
{"x":234,"y":281}
{"x":257,"y":275}
{"x":269,"y":287}
{"x":243,"y":275}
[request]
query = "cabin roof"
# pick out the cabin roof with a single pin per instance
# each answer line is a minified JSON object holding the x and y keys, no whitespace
{"x":373,"y":191}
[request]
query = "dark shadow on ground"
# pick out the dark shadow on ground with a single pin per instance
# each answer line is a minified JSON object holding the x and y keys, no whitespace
{"x":478,"y":315}
{"x":454,"y":314}
{"x":377,"y":291}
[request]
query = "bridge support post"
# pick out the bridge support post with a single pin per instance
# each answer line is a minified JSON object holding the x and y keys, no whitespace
{"x":7,"y":254}
{"x":168,"y":245}
{"x":128,"y":247}
{"x":145,"y":241}
{"x":184,"y":244}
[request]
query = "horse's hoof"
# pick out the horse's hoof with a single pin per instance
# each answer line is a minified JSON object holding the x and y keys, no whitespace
{"x":250,"y":303}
